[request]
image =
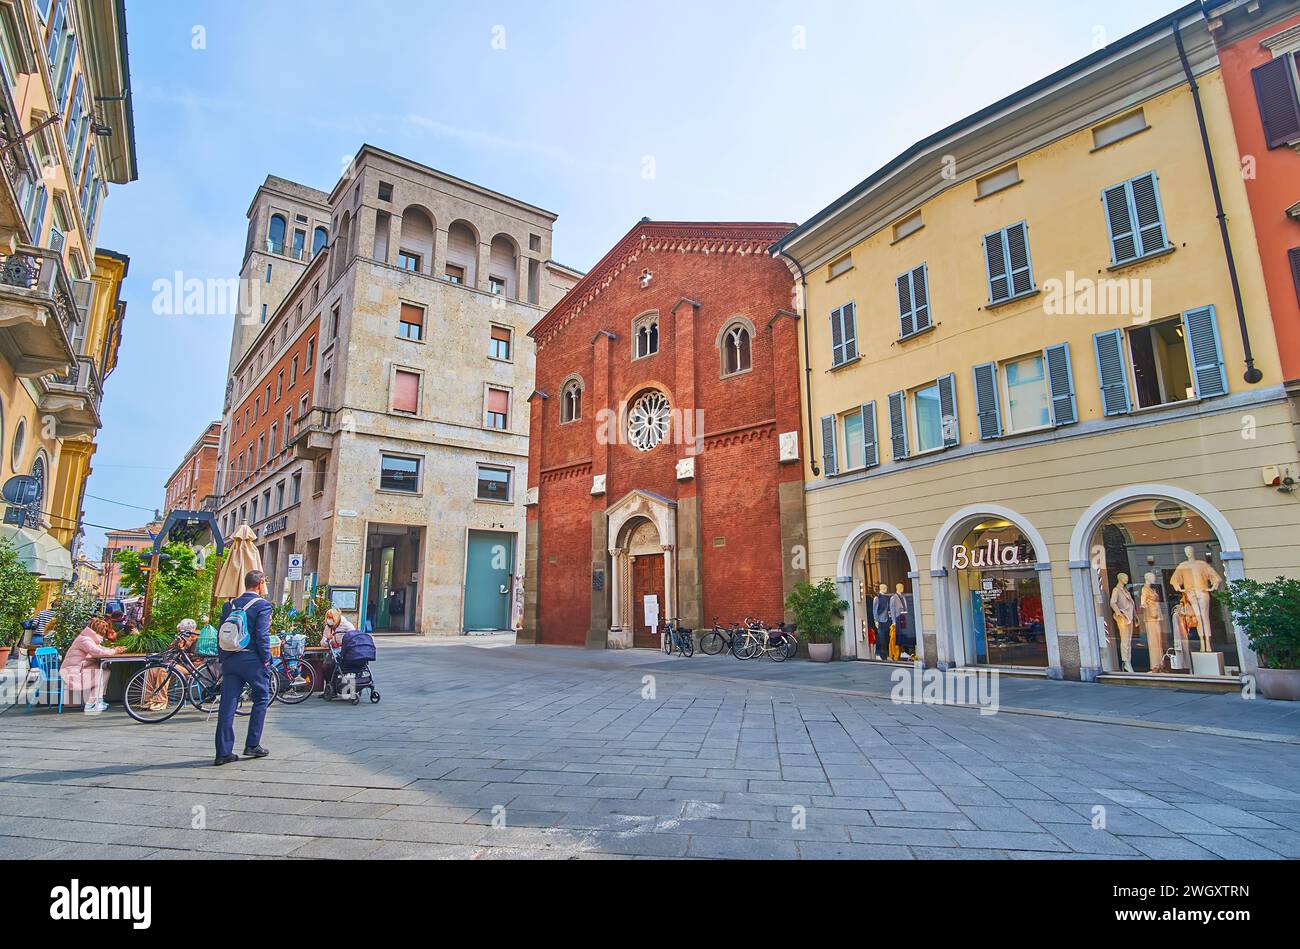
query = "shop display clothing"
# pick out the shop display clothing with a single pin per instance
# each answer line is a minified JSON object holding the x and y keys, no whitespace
{"x":1153,"y":625}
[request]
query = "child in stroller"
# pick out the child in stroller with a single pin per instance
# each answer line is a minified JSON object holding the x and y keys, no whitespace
{"x":348,"y":669}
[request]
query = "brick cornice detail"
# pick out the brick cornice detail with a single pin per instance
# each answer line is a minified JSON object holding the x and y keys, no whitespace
{"x":645,"y":240}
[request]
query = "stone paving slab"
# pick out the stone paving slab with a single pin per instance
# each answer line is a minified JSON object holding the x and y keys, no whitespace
{"x":527,"y":752}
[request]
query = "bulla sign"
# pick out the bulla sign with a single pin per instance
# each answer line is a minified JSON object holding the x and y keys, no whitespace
{"x":991,"y":554}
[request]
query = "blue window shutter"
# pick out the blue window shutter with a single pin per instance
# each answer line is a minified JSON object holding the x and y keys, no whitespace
{"x":1202,"y":331}
{"x":849,"y":311}
{"x":948,"y":410}
{"x":1018,"y":263}
{"x":73,"y":117}
{"x":56,"y":33}
{"x":921,"y":297}
{"x":837,"y":338}
{"x":1060,"y":383}
{"x":986,"y":400}
{"x":995,"y":256}
{"x":1148,"y":214}
{"x":828,"y":446}
{"x":1119,"y":218}
{"x":1112,"y":372}
{"x":869,"y":442}
{"x":898,"y":424}
{"x":906,"y":309}
{"x":65,"y":74}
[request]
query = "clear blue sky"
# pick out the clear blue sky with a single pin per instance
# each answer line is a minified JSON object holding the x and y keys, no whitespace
{"x":741,"y":123}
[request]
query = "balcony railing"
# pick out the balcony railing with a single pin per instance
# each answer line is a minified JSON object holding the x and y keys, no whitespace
{"x":19,"y":167}
{"x":313,"y":432}
{"x":73,"y":398}
{"x":39,"y":309}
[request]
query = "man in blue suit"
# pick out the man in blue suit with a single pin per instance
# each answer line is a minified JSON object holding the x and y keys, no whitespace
{"x":249,"y":667}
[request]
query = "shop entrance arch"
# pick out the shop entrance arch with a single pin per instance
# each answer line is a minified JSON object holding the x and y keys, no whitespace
{"x":874,"y":555}
{"x":993,"y":592}
{"x":1145,"y":562}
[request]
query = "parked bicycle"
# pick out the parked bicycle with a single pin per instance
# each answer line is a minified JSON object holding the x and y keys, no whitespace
{"x":757,"y":639}
{"x":679,"y":639}
{"x":171,"y":678}
{"x":721,"y":639}
{"x":294,"y":677}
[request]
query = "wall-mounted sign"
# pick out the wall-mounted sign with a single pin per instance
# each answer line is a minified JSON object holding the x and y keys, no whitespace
{"x":989,"y":554}
{"x":294,"y":573}
{"x":275,"y":526}
{"x":345,"y":599}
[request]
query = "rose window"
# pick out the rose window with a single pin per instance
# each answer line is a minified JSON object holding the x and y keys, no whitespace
{"x":647,"y":422}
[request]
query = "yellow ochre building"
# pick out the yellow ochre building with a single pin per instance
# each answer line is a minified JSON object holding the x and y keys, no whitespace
{"x":1044,"y":399}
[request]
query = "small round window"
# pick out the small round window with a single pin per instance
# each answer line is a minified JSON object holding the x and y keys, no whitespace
{"x":648,"y":421}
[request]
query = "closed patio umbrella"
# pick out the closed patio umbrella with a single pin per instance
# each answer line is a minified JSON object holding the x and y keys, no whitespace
{"x":241,"y":557}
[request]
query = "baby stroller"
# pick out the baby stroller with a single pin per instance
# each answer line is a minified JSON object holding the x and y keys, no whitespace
{"x":350,"y":669}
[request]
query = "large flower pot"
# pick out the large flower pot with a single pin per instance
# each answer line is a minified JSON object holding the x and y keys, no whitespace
{"x":1283,"y":684}
{"x":821,"y":652}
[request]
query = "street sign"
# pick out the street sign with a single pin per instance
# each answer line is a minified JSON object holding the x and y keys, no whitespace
{"x":295,"y":568}
{"x":21,"y":490}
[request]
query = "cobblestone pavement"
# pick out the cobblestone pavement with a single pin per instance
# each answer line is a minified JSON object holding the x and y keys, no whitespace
{"x":573,"y":756}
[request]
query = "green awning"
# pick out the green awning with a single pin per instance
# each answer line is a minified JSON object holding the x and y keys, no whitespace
{"x":39,"y":552}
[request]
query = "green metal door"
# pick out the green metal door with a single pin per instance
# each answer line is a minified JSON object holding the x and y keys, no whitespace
{"x":383,"y":620}
{"x":489,"y":570}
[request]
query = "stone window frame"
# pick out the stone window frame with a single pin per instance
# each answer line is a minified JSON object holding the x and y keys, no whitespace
{"x":736,"y":322}
{"x":510,"y":470}
{"x":647,"y":320}
{"x":394,"y":369}
{"x":419,"y":473}
{"x":571,"y":382}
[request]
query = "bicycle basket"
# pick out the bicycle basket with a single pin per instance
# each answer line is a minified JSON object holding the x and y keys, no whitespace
{"x":293,"y":646}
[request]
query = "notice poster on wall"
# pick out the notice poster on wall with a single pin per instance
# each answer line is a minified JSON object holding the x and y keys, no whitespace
{"x":650,"y":604}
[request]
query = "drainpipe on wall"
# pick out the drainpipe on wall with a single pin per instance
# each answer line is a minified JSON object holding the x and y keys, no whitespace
{"x":1252,"y":375}
{"x":807,"y":360}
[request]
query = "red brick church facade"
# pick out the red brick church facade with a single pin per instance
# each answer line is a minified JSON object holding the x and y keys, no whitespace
{"x":665,"y":438}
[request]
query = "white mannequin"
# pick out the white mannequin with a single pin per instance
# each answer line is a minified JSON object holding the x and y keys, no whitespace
{"x":1125,"y":612}
{"x":1197,"y":579}
{"x":1153,"y":622}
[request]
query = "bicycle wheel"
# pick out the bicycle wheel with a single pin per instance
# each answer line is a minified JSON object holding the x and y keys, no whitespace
{"x":292,"y":693}
{"x":688,"y":646}
{"x":154,"y":694}
{"x":777,"y":652}
{"x":668,"y":643}
{"x":745,"y":648}
{"x":712,"y":643}
{"x":205,"y":691}
{"x":791,"y":647}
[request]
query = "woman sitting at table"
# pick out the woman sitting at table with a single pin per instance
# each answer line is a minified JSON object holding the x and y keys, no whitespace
{"x":80,"y":667}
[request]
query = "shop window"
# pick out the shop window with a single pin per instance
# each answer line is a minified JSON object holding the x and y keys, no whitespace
{"x":1160,"y":563}
{"x":410,"y":322}
{"x":883,"y":594}
{"x":1001,"y":600}
{"x":500,"y":343}
{"x":399,"y":473}
{"x":494,"y":484}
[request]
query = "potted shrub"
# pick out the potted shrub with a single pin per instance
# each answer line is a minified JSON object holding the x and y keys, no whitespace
{"x":19,"y":594}
{"x":1269,"y":615}
{"x":818,"y":611}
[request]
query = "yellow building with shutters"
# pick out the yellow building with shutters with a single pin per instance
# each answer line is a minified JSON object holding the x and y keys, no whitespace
{"x":68,"y":133}
{"x":1044,"y":399}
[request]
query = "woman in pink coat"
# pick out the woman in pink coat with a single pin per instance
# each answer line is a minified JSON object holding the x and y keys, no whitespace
{"x":80,"y":667}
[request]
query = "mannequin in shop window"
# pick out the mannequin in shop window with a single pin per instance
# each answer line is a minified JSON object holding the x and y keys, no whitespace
{"x":898,"y":615}
{"x":1196,"y":580}
{"x":1153,"y":623}
{"x":880,"y":612}
{"x":1125,"y":612}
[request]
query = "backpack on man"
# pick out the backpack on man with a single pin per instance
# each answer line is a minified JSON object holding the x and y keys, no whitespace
{"x":235,"y":634}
